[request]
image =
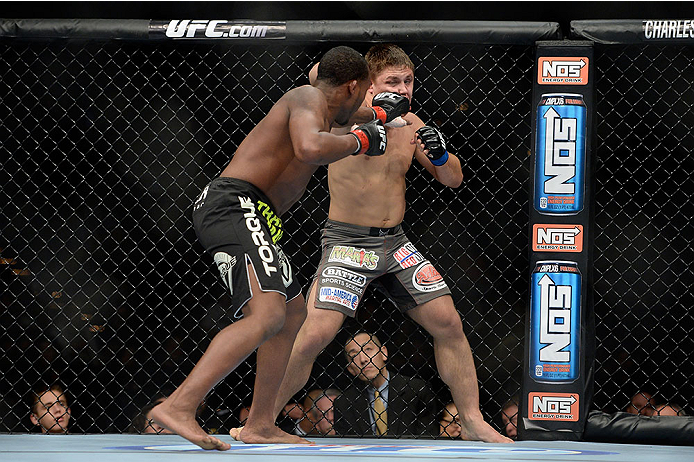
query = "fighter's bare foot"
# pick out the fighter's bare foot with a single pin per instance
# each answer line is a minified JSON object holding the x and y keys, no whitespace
{"x":265,"y":435}
{"x":184,"y":424}
{"x":235,"y":432}
{"x":476,"y":429}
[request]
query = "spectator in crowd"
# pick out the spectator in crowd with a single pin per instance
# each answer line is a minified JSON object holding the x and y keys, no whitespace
{"x":143,"y":422}
{"x":319,"y":415}
{"x":641,"y":403}
{"x":449,"y":425}
{"x":50,"y":410}
{"x":509,"y":417}
{"x":384,"y":403}
{"x":670,"y":409}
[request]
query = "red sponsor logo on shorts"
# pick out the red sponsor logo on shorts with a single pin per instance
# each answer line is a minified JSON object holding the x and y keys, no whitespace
{"x":427,"y":279}
{"x":408,"y":256}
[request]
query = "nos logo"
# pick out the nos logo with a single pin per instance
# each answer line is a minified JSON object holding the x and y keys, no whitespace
{"x":560,"y":152}
{"x":553,"y":406}
{"x":555,"y":320}
{"x":566,"y":70}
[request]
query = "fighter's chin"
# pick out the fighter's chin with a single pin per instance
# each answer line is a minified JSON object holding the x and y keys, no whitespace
{"x":342,"y":122}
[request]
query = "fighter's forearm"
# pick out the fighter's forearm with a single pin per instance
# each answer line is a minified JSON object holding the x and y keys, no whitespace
{"x":324,"y":148}
{"x":450,"y":173}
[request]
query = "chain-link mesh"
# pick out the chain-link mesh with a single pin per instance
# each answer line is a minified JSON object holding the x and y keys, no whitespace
{"x":106,"y":290}
{"x":643,"y":248}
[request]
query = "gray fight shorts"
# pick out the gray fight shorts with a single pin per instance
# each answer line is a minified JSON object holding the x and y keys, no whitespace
{"x":354,"y":256}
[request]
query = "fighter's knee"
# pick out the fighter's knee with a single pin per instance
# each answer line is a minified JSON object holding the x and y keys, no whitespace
{"x":447,"y":324}
{"x":312,"y":341}
{"x":272,"y":321}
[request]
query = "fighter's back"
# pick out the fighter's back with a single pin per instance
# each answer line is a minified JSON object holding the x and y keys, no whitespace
{"x":267,"y":158}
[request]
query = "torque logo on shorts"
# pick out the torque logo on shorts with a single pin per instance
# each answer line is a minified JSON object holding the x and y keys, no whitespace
{"x":570,"y":70}
{"x":427,"y":279}
{"x":354,"y":257}
{"x":553,"y":406}
{"x":258,"y":236}
{"x":557,"y":238}
{"x":408,"y":256}
{"x":339,"y":296}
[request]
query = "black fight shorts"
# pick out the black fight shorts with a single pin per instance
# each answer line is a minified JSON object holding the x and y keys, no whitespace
{"x":237,"y":225}
{"x":355,"y":256}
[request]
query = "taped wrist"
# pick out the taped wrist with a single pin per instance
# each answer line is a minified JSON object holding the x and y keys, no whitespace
{"x":441,"y":160}
{"x":362,"y":142}
{"x":380,"y":113}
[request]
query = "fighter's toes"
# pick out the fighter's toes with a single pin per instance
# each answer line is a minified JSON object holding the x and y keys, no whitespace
{"x":236,"y":433}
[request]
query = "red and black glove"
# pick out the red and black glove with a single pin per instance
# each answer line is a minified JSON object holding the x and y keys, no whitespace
{"x":387,"y":106}
{"x":371,"y":137}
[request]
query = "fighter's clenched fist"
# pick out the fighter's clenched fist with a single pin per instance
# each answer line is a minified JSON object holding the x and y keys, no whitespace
{"x":431,"y":141}
{"x":387,"y":106}
{"x":371,"y":137}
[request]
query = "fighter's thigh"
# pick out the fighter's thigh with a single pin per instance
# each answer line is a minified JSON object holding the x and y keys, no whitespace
{"x":348,"y":265}
{"x":320,"y":327}
{"x":411,"y":279}
{"x":439,"y":317}
{"x":263,"y":305}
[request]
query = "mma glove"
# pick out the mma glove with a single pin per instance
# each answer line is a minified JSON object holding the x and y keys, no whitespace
{"x":387,"y":106}
{"x":371,"y":138}
{"x":434,"y":143}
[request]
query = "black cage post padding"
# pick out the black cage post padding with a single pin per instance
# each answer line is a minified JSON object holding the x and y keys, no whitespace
{"x":556,"y":408}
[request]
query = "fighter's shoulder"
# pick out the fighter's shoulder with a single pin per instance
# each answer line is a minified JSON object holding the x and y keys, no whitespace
{"x":414,"y":120}
{"x":305,"y":95}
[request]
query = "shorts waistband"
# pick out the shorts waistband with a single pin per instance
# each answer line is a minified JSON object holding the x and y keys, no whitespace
{"x":369,"y":231}
{"x":243,"y":184}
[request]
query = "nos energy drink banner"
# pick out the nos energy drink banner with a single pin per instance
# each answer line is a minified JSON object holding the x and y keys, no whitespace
{"x":560,"y":154}
{"x":557,"y":385}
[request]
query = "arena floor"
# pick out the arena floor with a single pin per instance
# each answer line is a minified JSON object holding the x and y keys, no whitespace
{"x":150,"y":448}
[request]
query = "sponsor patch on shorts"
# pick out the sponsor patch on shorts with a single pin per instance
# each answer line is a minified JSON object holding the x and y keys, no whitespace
{"x":345,"y":275}
{"x":354,"y":257}
{"x":427,"y":278}
{"x":408,"y":256}
{"x":339,"y":296}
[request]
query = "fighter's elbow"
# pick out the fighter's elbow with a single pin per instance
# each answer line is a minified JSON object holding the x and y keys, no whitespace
{"x":453,"y":182}
{"x":308,"y":153}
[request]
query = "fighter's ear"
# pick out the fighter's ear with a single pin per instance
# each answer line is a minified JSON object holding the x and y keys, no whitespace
{"x":384,"y":350}
{"x":33,"y":418}
{"x":353,"y":87}
{"x":313,"y":74}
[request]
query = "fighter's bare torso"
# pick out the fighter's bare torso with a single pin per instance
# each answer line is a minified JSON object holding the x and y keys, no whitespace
{"x":266,"y":158}
{"x":370,"y":191}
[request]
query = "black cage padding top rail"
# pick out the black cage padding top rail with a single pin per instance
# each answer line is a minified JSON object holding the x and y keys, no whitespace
{"x":635,"y":31}
{"x":479,"y":32}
